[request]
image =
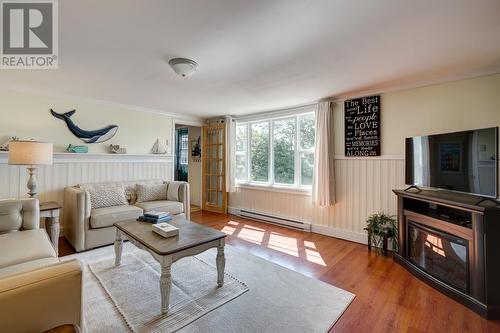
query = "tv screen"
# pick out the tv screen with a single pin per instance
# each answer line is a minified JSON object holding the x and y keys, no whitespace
{"x":461,"y":161}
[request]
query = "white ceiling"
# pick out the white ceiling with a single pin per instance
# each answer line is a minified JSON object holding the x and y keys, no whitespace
{"x":257,"y":55}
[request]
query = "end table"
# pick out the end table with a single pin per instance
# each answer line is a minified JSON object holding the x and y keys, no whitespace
{"x":50,"y":211}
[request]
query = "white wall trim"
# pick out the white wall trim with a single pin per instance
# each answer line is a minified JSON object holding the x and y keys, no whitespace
{"x":273,"y":188}
{"x":101,"y":158}
{"x":353,"y":236}
{"x":130,"y":107}
{"x":381,"y":157}
{"x":349,"y":235}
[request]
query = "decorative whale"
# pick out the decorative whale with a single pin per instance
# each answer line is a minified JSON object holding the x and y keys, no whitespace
{"x":97,"y":136}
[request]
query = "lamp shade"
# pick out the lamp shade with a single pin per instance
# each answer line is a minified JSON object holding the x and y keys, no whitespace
{"x":30,"y":153}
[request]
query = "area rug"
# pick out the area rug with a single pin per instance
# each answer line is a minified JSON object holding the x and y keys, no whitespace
{"x":134,"y":289}
{"x":278,"y":299}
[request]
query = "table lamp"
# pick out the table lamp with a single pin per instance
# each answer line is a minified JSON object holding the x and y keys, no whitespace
{"x":30,"y":153}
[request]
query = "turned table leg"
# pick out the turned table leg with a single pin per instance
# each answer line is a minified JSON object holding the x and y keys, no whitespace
{"x":221,"y":263}
{"x":165,"y":286}
{"x":118,"y":247}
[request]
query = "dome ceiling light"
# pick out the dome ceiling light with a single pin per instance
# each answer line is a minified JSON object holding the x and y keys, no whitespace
{"x":182,"y":66}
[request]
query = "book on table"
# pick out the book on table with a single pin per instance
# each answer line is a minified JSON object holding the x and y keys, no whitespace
{"x":154,"y":220}
{"x":157,"y":214}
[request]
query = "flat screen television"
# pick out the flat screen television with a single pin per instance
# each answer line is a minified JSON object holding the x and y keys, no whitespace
{"x":464,"y":161}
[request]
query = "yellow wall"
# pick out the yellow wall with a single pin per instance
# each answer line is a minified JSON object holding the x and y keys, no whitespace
{"x":27,"y":116}
{"x":448,"y":107}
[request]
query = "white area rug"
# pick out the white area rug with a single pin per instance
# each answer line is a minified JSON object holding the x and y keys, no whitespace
{"x":278,"y":300}
{"x":134,"y":289}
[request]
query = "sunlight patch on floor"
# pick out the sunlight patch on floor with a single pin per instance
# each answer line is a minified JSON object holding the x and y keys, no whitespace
{"x":314,"y":257}
{"x":283,"y":244}
{"x":251,"y":235}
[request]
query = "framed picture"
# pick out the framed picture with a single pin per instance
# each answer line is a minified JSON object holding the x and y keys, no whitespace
{"x":450,"y":157}
{"x":196,"y":150}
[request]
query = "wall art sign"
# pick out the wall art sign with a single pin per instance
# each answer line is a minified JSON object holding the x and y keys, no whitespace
{"x":362,"y":126}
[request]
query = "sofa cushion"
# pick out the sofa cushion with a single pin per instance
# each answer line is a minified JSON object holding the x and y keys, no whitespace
{"x":105,"y":217}
{"x":107,"y":197}
{"x":27,"y":266}
{"x":129,"y":186}
{"x":19,"y":214}
{"x":151,"y":192}
{"x":173,"y":190}
{"x":23,"y":246}
{"x":173,"y":207}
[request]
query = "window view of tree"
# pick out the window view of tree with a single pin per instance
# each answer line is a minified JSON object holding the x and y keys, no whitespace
{"x":241,"y":152}
{"x":307,"y":130}
{"x":284,"y":150}
{"x":292,"y":152}
{"x":259,"y":150}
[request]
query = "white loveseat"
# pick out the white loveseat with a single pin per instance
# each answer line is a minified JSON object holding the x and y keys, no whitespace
{"x":86,"y":227}
{"x":37,"y":292}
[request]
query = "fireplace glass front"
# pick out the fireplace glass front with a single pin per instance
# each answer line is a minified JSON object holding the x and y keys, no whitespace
{"x":440,"y":254}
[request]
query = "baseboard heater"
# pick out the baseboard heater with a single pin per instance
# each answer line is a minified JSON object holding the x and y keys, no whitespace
{"x":281,"y":221}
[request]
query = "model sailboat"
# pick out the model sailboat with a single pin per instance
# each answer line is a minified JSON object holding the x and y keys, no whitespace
{"x":159,"y":148}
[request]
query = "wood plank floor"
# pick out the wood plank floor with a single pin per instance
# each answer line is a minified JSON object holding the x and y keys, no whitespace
{"x":388,"y":298}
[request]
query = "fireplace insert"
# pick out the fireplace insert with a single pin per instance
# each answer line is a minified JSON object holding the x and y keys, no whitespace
{"x":440,"y":254}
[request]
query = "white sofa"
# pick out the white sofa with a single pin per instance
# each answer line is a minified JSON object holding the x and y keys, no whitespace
{"x":86,"y":227}
{"x":37,"y":291}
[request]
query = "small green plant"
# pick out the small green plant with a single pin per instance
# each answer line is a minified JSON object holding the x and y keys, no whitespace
{"x":378,"y":225}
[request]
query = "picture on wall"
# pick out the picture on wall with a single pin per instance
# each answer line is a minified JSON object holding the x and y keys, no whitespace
{"x":362,"y":126}
{"x":196,"y":150}
{"x":450,"y":157}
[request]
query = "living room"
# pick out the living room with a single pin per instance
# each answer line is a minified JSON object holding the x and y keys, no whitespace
{"x":236,"y":166}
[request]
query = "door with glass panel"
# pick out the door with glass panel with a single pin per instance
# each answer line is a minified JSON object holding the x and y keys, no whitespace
{"x":213,"y":160}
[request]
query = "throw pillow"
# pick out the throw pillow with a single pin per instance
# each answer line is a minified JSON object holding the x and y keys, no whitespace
{"x":146,"y":192}
{"x":173,"y":191}
{"x":107,"y":197}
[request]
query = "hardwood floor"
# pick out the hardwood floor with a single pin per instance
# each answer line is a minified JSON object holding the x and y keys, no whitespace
{"x":388,"y":298}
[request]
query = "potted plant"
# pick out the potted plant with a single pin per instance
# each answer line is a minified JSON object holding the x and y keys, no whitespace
{"x":380,"y":227}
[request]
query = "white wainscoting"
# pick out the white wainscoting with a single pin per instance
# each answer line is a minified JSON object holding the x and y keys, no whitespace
{"x":364,"y":186}
{"x":69,"y":170}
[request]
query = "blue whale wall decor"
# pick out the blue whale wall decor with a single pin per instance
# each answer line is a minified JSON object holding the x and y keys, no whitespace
{"x":97,"y":136}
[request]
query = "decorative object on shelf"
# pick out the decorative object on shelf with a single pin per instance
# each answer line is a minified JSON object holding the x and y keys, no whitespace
{"x":159,"y":148}
{"x":196,"y":150}
{"x":116,"y":149}
{"x":77,"y":149}
{"x":30,"y":153}
{"x":362,"y":126}
{"x":5,"y":145}
{"x":96,"y":136}
{"x":380,"y":228}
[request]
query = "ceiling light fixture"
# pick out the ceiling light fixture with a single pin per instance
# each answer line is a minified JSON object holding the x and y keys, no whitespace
{"x":182,"y":66}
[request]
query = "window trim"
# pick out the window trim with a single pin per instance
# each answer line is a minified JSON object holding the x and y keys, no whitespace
{"x":271,"y":185}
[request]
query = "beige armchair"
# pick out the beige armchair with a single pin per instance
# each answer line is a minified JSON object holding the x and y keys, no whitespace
{"x":37,"y":292}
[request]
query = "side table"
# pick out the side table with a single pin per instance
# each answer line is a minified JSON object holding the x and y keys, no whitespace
{"x":50,"y":211}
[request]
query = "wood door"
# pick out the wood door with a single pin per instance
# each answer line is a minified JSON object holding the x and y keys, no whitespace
{"x":214,"y":166}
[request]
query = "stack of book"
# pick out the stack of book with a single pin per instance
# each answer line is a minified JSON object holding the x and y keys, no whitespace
{"x":155,"y":217}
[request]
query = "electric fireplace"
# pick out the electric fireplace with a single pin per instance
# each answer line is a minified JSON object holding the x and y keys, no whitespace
{"x":452,"y":242}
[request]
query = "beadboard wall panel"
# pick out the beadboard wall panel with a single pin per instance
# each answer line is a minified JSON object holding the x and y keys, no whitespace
{"x":54,"y":178}
{"x":363,"y":187}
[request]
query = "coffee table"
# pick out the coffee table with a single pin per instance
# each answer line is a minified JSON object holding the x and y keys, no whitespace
{"x":192,"y":239}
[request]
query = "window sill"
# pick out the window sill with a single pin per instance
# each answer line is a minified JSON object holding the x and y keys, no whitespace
{"x":275,"y":188}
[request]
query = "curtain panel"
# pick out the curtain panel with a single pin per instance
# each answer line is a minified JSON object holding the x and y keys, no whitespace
{"x":323,"y":189}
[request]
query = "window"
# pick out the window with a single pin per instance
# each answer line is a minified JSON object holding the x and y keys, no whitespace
{"x":277,"y":151}
{"x":183,"y":148}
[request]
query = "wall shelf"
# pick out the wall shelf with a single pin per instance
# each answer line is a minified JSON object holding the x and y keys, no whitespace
{"x":101,"y":157}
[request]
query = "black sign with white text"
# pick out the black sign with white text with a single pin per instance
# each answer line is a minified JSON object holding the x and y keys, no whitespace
{"x":362,"y":126}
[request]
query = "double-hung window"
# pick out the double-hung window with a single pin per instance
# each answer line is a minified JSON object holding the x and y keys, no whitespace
{"x":276,"y":151}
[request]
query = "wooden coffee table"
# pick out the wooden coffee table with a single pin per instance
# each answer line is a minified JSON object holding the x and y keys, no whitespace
{"x":192,"y":239}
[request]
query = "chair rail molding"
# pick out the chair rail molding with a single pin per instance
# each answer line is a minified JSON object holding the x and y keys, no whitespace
{"x":101,"y":157}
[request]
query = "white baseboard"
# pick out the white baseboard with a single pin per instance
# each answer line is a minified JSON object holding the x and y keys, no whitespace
{"x":353,"y":236}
